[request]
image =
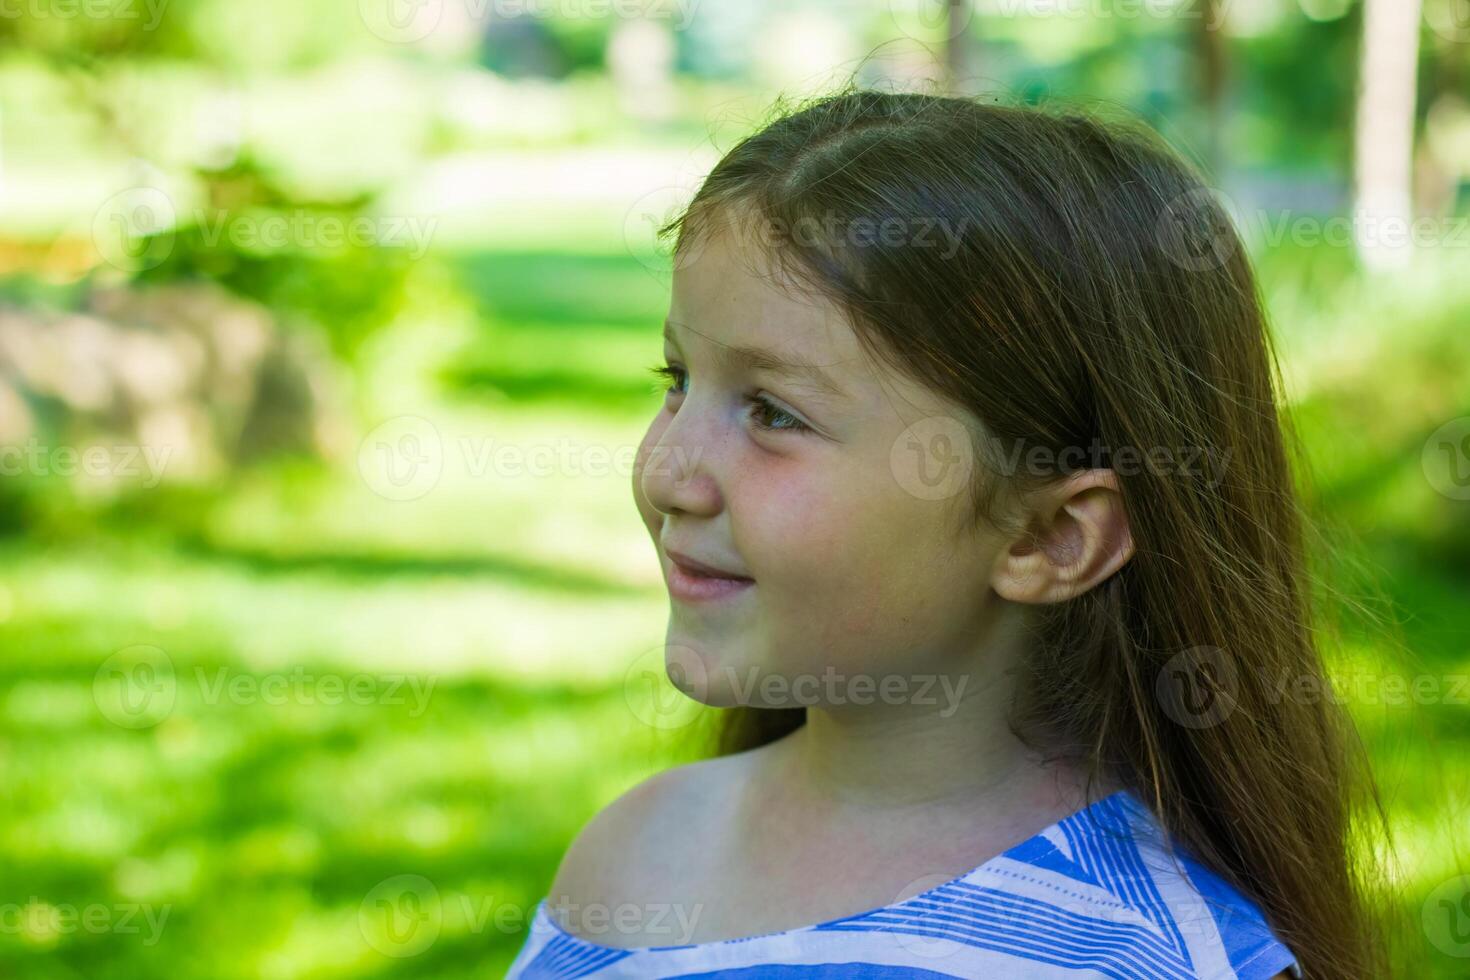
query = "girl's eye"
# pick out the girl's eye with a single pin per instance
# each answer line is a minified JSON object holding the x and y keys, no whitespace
{"x":765,"y":414}
{"x":669,"y":376}
{"x":777,"y":419}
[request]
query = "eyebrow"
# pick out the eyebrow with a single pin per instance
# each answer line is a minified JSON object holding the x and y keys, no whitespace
{"x":797,"y":369}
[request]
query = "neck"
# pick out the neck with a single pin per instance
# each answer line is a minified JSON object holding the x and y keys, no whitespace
{"x":950,"y":747}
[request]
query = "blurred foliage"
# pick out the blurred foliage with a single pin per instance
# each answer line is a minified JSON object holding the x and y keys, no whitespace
{"x":350,"y":287}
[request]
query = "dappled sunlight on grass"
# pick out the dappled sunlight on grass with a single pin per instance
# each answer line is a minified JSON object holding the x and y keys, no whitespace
{"x":488,"y":621}
{"x":287,"y":814}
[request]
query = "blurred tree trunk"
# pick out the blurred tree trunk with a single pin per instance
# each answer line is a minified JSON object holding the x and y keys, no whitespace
{"x":959,"y":59}
{"x":1442,"y":153}
{"x":1384,"y":144}
{"x":1209,"y":45}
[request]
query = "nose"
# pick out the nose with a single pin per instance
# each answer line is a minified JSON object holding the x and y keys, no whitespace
{"x":676,"y":471}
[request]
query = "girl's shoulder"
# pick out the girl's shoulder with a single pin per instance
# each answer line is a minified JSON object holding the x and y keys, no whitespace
{"x":632,"y":846}
{"x":1099,"y":893}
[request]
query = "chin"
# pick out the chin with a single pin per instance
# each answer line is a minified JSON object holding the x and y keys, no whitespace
{"x":698,"y":675}
{"x":726,"y":685}
{"x":715,"y":678}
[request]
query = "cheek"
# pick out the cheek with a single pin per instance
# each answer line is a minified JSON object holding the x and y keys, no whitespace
{"x":857,"y":573}
{"x":832,"y":548}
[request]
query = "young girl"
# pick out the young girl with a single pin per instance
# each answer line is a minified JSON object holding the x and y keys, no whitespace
{"x":974,"y":505}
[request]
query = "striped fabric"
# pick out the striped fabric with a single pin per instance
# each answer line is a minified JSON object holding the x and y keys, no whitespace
{"x":1095,"y":895}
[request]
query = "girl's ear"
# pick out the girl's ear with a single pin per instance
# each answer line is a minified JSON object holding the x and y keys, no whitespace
{"x":1076,"y":536}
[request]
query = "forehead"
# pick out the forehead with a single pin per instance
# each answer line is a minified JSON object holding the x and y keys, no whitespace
{"x":731,"y":293}
{"x":728,"y":293}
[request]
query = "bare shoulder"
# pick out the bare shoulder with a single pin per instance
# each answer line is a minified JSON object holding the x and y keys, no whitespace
{"x":641,"y":844}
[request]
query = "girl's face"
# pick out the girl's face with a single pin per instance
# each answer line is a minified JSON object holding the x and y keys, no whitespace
{"x":861,"y":567}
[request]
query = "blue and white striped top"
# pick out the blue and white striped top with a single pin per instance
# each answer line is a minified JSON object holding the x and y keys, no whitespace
{"x":1097,"y":894}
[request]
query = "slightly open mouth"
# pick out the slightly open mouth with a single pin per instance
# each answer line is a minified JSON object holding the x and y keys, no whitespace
{"x":687,"y":584}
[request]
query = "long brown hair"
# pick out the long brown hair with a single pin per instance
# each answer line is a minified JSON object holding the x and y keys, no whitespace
{"x":1097,"y":297}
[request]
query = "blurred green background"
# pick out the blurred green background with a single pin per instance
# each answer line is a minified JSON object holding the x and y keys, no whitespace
{"x":325,"y":613}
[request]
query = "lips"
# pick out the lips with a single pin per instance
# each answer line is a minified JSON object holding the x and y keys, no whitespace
{"x":699,"y":569}
{"x":693,"y":581}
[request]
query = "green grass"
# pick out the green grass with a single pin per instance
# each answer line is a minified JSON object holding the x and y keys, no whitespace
{"x":265,"y":830}
{"x":259,"y":817}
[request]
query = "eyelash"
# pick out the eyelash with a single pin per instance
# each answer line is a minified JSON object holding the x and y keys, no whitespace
{"x":669,"y":375}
